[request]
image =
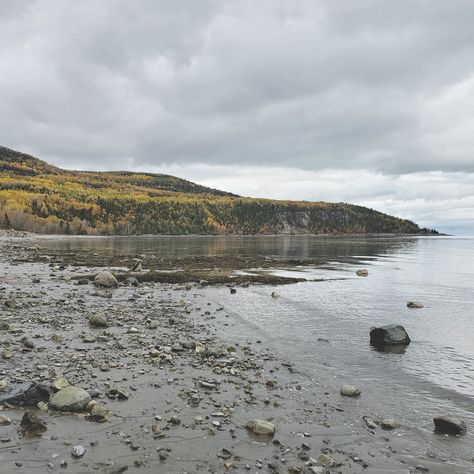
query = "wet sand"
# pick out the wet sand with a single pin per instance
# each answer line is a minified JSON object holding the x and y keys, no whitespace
{"x":164,"y":347}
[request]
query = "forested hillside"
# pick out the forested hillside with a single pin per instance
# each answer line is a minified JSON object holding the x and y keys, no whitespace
{"x":39,"y":197}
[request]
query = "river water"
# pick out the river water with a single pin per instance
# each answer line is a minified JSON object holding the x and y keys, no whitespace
{"x":323,"y":326}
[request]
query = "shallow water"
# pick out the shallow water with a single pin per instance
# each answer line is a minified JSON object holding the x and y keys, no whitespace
{"x":436,"y":372}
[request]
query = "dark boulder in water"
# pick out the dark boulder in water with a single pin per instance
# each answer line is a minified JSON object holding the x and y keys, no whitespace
{"x":449,"y":425}
{"x":26,"y":394}
{"x":391,"y":335}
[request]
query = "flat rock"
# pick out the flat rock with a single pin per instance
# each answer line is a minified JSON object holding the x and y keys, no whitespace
{"x":390,"y":335}
{"x":105,"y":279}
{"x":449,"y":425}
{"x":261,"y":427}
{"x":70,"y":399}
{"x":25,"y":394}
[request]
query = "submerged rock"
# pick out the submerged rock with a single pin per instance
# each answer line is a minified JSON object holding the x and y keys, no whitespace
{"x":390,"y":335}
{"x":363,"y":272}
{"x":350,"y":391}
{"x":70,"y":399}
{"x":31,"y":425}
{"x":389,"y":424}
{"x":105,"y":279}
{"x":261,"y":427}
{"x":414,"y":304}
{"x":25,"y":394}
{"x":449,"y":425}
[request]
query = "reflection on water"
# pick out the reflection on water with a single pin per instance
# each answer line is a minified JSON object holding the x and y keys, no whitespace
{"x":272,"y":246}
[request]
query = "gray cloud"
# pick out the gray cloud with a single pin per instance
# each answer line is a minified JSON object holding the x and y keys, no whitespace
{"x":313,"y":84}
{"x":381,"y":86}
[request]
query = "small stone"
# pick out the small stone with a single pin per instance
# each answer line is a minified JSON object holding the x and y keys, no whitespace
{"x":99,"y":413}
{"x":28,"y":343}
{"x":42,"y":406}
{"x":390,"y":424}
{"x":5,"y":420}
{"x":59,"y":384}
{"x":163,"y":455}
{"x":4,"y":326}
{"x":261,"y":427}
{"x":370,"y":423}
{"x":116,"y":469}
{"x":32,"y":425}
{"x":363,"y":272}
{"x":116,"y":392}
{"x":78,"y":451}
{"x":350,"y":391}
{"x":130,"y":281}
{"x":326,"y":460}
{"x":98,"y":320}
{"x":105,"y":279}
{"x":7,"y":354}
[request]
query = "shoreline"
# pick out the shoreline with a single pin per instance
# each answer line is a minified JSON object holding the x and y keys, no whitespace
{"x":201,"y":400}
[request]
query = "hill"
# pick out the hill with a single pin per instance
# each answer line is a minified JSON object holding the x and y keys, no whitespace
{"x":39,"y":197}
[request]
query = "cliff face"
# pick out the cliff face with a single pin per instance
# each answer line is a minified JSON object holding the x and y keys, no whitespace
{"x":39,"y":197}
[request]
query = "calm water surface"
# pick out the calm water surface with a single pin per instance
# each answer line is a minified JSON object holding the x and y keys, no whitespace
{"x":436,"y":372}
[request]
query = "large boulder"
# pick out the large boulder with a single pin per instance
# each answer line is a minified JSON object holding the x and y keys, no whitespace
{"x":70,"y":399}
{"x":105,"y":279}
{"x":449,"y":425}
{"x":391,"y":335}
{"x":25,"y":394}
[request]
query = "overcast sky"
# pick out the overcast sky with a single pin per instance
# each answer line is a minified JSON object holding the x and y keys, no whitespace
{"x":367,"y":101}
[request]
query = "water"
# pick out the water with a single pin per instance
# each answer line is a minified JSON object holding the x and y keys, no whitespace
{"x":434,"y":375}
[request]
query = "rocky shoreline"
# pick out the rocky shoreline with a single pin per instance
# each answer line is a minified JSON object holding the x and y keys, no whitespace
{"x":139,"y":378}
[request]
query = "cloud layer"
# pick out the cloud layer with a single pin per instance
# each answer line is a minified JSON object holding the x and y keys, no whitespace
{"x":366,"y":88}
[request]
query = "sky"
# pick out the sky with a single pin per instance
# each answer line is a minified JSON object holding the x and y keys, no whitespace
{"x":369,"y":101}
